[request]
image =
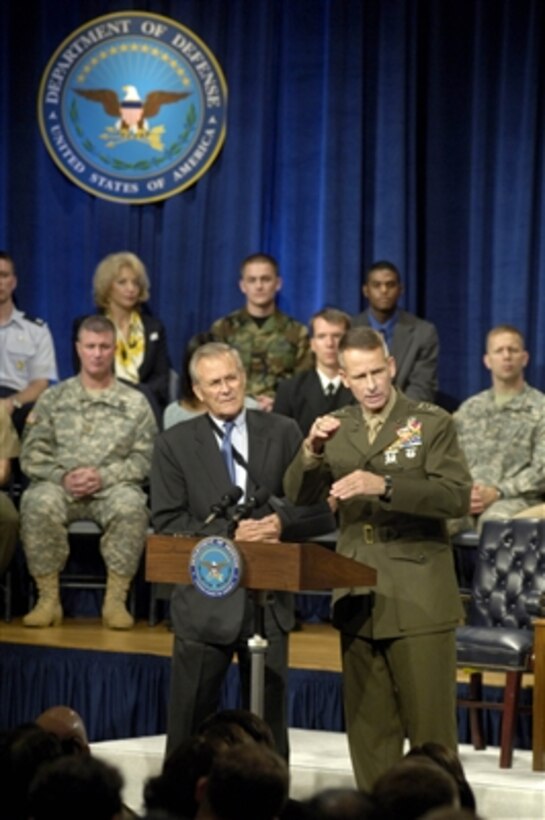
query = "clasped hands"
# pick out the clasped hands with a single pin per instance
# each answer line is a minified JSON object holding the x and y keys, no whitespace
{"x":82,"y":481}
{"x":482,"y":496}
{"x":268,"y":528}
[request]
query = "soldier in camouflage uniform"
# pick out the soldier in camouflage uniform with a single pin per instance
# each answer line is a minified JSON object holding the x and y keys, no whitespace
{"x":87,"y":451}
{"x":272,"y":345}
{"x":502,"y":433}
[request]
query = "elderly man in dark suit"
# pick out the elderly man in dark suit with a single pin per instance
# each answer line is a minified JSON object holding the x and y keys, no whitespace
{"x":412,"y":341}
{"x":319,"y":390}
{"x":397,"y":471}
{"x":189,"y":475}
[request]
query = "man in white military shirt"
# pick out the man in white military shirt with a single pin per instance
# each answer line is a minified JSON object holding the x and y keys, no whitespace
{"x":27,"y":354}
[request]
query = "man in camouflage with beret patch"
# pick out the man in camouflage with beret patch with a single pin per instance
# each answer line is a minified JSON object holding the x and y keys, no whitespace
{"x":272,"y":345}
{"x":87,"y":452}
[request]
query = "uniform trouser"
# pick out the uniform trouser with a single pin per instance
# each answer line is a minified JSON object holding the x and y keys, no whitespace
{"x":405,"y":687}
{"x":46,"y":511}
{"x":197,"y":673}
{"x":9,"y":526}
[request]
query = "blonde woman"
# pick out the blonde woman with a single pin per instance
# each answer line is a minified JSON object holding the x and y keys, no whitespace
{"x":121,"y":289}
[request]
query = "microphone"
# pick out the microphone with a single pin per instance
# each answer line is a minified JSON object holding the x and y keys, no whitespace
{"x":260,"y":497}
{"x":221,"y":506}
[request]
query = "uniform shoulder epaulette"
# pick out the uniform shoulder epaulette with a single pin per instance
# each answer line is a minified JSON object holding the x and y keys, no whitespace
{"x":428,"y":407}
{"x":343,"y":412}
{"x":34,"y":319}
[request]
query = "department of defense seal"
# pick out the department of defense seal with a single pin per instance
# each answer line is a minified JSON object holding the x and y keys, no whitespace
{"x":215,"y":566}
{"x":132,"y":107}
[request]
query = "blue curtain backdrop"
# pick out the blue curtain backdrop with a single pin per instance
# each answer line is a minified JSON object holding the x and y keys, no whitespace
{"x":357,"y":129}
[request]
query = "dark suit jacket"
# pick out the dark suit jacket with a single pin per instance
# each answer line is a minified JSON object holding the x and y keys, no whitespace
{"x":404,"y":539}
{"x":302,"y":398}
{"x":189,"y":475}
{"x":415,"y":348}
{"x":155,"y":368}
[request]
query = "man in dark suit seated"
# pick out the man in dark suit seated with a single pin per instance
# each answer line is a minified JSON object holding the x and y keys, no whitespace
{"x":413,"y":342}
{"x":318,"y":391}
{"x":191,"y":472}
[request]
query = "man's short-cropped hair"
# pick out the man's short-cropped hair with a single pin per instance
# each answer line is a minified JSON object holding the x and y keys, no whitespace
{"x":362,"y":338}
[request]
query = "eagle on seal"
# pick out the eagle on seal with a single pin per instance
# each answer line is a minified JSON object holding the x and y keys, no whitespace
{"x":132,"y":113}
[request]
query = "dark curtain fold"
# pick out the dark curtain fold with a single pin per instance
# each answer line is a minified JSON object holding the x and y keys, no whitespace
{"x":125,"y":695}
{"x":357,"y":130}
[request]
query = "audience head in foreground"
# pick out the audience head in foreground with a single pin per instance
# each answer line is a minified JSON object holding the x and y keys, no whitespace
{"x":413,"y":787}
{"x":249,"y":782}
{"x":81,"y":787}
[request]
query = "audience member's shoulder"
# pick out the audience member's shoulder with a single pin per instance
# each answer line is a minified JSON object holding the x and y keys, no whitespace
{"x":417,"y":321}
{"x":152,"y":322}
{"x":474,"y":402}
{"x":290,"y":321}
{"x":295,"y":382}
{"x":139,"y":402}
{"x":57,"y":393}
{"x":534,"y":395}
{"x":34,"y":323}
{"x":360,"y":319}
{"x":234,"y":317}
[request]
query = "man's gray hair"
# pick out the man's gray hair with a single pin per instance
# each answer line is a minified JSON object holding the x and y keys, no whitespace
{"x":213,"y":350}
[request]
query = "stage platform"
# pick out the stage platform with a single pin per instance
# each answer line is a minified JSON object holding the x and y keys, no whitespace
{"x":320,"y":760}
{"x":118,"y":682}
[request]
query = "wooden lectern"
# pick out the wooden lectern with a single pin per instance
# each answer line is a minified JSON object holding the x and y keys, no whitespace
{"x":269,"y":566}
{"x":266,"y":566}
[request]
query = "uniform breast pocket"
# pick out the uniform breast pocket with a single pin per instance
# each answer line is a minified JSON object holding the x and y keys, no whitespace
{"x":19,"y":352}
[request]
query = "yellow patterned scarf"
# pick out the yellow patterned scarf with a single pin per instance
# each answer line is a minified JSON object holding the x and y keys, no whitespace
{"x":129,"y":350}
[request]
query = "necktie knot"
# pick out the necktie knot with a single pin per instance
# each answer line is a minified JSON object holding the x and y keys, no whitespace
{"x":373,"y":427}
{"x":330,"y":389}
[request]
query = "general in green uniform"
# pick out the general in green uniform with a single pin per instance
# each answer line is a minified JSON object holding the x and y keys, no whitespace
{"x":396,"y":470}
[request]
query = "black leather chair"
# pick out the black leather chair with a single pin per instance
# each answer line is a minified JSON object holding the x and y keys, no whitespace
{"x":508,"y":592}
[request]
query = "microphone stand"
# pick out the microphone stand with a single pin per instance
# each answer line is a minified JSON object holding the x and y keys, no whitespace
{"x":257,"y":647}
{"x":257,"y":643}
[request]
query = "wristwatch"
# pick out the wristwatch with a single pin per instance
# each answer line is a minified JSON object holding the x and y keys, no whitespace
{"x":16,"y":403}
{"x":388,"y":487}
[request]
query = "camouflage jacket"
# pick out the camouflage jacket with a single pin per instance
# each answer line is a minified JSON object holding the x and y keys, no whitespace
{"x":112,"y":430}
{"x":505,"y":444}
{"x":274,"y":351}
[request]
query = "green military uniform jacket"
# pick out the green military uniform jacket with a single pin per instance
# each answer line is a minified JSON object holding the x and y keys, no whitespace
{"x":272,"y":351}
{"x":404,"y":539}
